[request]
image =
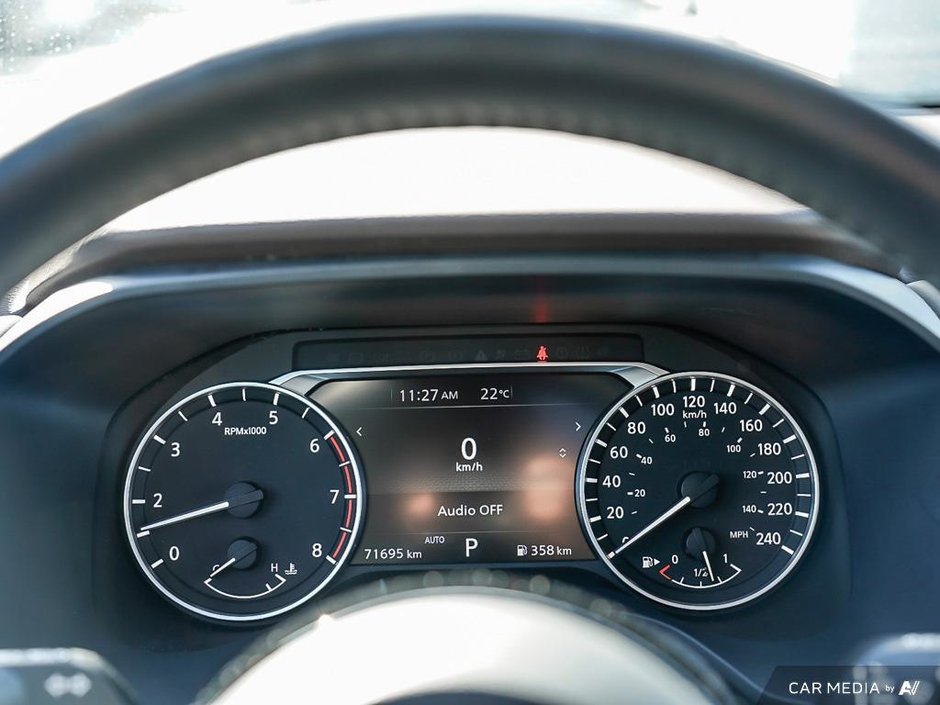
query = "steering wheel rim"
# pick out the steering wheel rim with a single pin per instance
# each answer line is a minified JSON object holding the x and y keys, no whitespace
{"x":857,"y":166}
{"x":286,"y":652}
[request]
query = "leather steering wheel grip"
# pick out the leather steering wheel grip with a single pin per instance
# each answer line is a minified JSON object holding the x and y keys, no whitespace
{"x":473,"y":638}
{"x":851,"y":163}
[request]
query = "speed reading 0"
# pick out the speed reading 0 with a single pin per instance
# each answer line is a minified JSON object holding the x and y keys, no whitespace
{"x":699,"y":491}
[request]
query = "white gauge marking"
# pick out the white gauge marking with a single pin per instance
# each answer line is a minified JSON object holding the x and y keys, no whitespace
{"x":281,"y":580}
{"x":157,"y":563}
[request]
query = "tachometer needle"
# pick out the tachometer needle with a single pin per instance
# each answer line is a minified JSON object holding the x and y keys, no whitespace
{"x":247,"y":498}
{"x":706,"y":485}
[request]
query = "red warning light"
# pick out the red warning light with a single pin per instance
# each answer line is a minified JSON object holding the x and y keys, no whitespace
{"x":542,"y":354}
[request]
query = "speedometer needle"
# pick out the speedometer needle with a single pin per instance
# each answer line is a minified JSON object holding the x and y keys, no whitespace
{"x":247,"y":498}
{"x":706,"y":485}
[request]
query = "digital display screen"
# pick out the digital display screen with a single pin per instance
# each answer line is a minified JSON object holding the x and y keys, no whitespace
{"x":471,"y":468}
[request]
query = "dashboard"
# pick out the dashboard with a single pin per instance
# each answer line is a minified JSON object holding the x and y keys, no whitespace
{"x":727,"y":450}
{"x":566,"y":451}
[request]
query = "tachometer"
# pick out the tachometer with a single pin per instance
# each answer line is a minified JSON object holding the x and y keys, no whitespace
{"x":242,"y":501}
{"x":699,"y":491}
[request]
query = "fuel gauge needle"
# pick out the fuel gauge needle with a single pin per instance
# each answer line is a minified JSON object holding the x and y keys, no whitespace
{"x":708,"y":564}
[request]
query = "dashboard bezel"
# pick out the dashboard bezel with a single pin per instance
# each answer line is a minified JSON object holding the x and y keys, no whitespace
{"x":805,"y":328}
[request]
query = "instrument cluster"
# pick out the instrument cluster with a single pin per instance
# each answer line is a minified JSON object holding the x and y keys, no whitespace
{"x":696,"y":489}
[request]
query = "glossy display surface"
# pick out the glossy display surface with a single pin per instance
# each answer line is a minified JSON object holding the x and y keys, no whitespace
{"x":471,"y":468}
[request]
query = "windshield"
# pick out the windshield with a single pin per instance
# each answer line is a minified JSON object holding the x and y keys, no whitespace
{"x":60,"y":56}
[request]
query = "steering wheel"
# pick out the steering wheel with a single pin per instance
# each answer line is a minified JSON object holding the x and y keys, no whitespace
{"x":857,"y":166}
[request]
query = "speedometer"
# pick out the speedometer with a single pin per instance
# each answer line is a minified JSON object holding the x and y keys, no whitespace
{"x":699,"y":491}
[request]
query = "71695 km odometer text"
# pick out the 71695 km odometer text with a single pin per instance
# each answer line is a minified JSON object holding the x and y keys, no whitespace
{"x":699,"y":491}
